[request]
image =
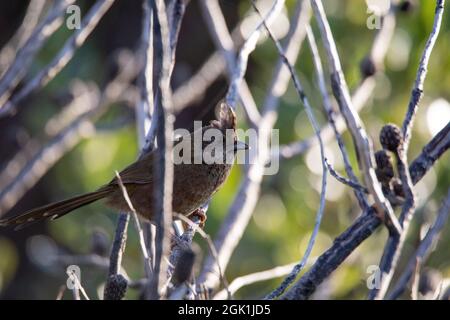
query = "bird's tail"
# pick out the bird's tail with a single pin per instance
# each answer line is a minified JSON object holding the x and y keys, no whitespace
{"x":53,"y":210}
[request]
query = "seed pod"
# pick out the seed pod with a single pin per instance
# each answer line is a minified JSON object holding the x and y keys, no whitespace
{"x":407,"y":6}
{"x":367,"y":67}
{"x":397,"y":187}
{"x":116,"y":287}
{"x":391,"y":137}
{"x":384,"y":169}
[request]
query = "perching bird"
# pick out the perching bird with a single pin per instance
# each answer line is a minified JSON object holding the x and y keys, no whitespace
{"x":193,"y":185}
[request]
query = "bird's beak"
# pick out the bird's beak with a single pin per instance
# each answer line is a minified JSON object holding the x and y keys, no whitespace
{"x":239,"y":145}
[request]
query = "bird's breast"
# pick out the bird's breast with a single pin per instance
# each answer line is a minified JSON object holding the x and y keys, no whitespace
{"x":194,"y":184}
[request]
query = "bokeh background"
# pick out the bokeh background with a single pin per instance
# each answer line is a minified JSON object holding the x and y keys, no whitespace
{"x":284,"y":217}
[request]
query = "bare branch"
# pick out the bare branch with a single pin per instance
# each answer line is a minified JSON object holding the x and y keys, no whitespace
{"x":360,"y":96}
{"x":424,"y":248}
{"x":417,"y":90}
{"x":248,"y":46}
{"x":344,"y":180}
{"x":395,"y":242}
{"x":25,"y":55}
{"x":344,"y":245}
{"x":63,"y":57}
{"x":163,"y":172}
{"x":430,"y":153}
{"x":211,"y":70}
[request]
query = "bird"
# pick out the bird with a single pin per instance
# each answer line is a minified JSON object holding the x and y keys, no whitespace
{"x":193,"y":185}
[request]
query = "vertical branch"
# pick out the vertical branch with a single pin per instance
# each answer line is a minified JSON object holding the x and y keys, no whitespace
{"x":145,"y":106}
{"x":163,"y":172}
{"x":145,"y":112}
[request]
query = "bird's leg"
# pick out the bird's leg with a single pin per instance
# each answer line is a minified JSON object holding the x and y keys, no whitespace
{"x":199,"y":214}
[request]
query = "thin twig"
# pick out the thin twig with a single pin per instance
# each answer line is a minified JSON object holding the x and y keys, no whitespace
{"x":136,"y":222}
{"x":359,"y":193}
{"x":194,"y":88}
{"x":430,"y":153}
{"x":416,"y":279}
{"x":344,"y":180}
{"x":77,"y":287}
{"x":248,"y":46}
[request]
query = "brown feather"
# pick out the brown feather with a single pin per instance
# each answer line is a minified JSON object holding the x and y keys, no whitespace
{"x":54,"y":210}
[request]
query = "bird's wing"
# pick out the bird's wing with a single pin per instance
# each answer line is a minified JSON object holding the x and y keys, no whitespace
{"x":139,"y":172}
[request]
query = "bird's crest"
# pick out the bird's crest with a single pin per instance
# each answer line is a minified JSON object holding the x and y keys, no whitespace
{"x":226,"y":116}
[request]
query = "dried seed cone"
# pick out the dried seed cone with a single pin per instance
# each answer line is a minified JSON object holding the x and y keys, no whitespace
{"x":367,"y":67}
{"x":116,"y":287}
{"x":397,"y":187}
{"x":384,"y":169}
{"x":391,"y":137}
